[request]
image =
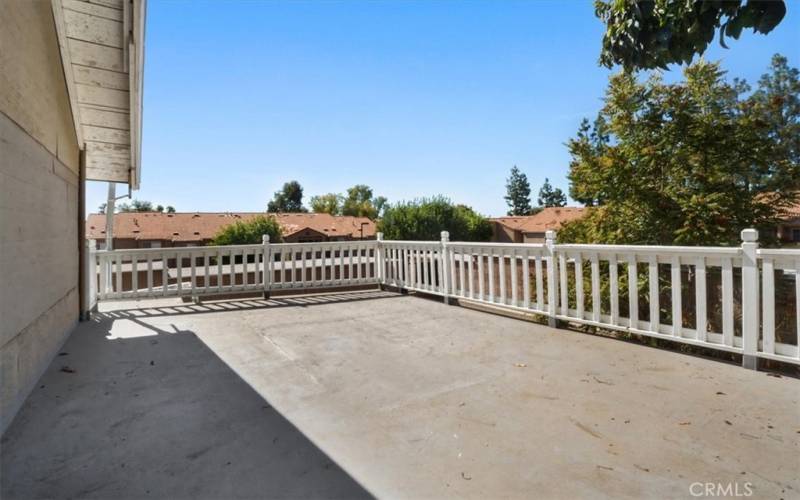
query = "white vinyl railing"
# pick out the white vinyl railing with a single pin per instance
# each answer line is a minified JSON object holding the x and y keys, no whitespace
{"x":732,"y":299}
{"x":215,"y":270}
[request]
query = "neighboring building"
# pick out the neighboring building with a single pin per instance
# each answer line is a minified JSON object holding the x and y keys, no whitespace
{"x":155,"y":229}
{"x":531,"y":228}
{"x":70,"y":99}
{"x":789,"y":227}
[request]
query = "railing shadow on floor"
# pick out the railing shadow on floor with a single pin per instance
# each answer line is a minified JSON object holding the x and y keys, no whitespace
{"x":158,"y":415}
{"x":146,"y":311}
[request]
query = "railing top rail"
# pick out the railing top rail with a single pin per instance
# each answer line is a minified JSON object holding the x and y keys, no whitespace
{"x":325,"y":243}
{"x":483,"y":244}
{"x":775,"y":252}
{"x":207,"y":248}
{"x":411,"y":242}
{"x":652,"y":249}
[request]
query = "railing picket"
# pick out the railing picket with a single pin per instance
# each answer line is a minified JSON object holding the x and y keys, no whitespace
{"x":501,"y":270}
{"x":149,"y":275}
{"x":245,"y":269}
{"x":633,"y":292}
{"x":164,"y":274}
{"x":481,"y":279}
{"x":563,"y":285}
{"x":231,"y":264}
{"x":768,"y":307}
{"x":514,"y":294}
{"x":491,"y":276}
{"x":425,"y":274}
{"x":193,"y":272}
{"x":579,"y":305}
{"x":462,"y":290}
{"x":596,"y":306}
{"x":351,"y":267}
{"x":727,"y":302}
{"x":613,"y":281}
{"x":675,"y":286}
{"x":700,"y":298}
{"x":539,"y":283}
{"x":206,"y":277}
{"x":134,"y":276}
{"x":118,"y":283}
{"x":450,"y":255}
{"x":526,"y":279}
{"x":179,"y":271}
{"x":471,"y":275}
{"x":655,"y":320}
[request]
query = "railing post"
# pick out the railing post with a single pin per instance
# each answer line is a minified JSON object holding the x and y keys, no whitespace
{"x":380,"y":265}
{"x":445,"y":266}
{"x":267,"y":259}
{"x":90,"y":280}
{"x":750,"y":299}
{"x":552,"y":278}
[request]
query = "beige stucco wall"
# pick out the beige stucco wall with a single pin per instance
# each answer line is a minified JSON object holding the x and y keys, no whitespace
{"x":38,"y":201}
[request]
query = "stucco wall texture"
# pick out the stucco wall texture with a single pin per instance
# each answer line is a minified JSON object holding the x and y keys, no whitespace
{"x":39,"y":157}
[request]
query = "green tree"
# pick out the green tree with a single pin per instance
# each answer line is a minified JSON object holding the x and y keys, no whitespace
{"x":518,"y":193}
{"x":330,"y":203}
{"x":170,"y":209}
{"x":102,"y":208}
{"x":249,"y":231}
{"x":549,"y":197}
{"x":692,"y":162}
{"x":649,"y":34}
{"x":358,"y":202}
{"x":135,"y":206}
{"x":426,"y":218}
{"x":380,"y":203}
{"x":160,"y":208}
{"x":288,"y":200}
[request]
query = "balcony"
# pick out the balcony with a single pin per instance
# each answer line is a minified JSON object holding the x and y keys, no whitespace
{"x":371,"y":392}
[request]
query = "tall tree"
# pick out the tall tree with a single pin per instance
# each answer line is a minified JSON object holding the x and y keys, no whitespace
{"x":330,"y":203}
{"x":358,"y":202}
{"x":288,"y":200}
{"x":691,"y":162}
{"x":518,"y":193}
{"x":649,"y":34}
{"x":549,"y":197}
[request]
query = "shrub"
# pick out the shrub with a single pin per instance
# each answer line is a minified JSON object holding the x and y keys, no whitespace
{"x":249,"y":231}
{"x":426,"y":218}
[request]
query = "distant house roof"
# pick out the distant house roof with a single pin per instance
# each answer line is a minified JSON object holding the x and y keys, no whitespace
{"x":547,"y":218}
{"x":204,"y":225}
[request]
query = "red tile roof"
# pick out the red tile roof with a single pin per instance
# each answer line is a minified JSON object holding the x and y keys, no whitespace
{"x":547,"y":218}
{"x":203,"y":225}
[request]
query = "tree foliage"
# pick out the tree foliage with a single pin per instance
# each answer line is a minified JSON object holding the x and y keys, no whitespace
{"x":249,"y":231}
{"x":330,"y":203}
{"x":549,"y":197}
{"x":288,"y":200}
{"x":137,"y":206}
{"x":426,"y":218}
{"x":692,"y":163}
{"x":648,"y":34}
{"x":518,"y":193}
{"x":359,"y":202}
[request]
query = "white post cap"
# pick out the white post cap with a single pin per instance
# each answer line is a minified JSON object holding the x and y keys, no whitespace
{"x":445,"y":235}
{"x":550,"y":234}
{"x":264,"y":238}
{"x":749,"y":235}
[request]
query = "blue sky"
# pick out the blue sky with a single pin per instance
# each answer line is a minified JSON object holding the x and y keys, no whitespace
{"x":412,"y":98}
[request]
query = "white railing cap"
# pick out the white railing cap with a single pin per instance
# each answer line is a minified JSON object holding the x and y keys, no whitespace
{"x":749,"y":235}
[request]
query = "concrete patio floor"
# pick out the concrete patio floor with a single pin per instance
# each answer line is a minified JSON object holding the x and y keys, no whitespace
{"x":372,"y":393}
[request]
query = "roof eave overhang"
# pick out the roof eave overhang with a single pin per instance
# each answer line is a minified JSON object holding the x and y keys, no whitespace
{"x":102,"y":52}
